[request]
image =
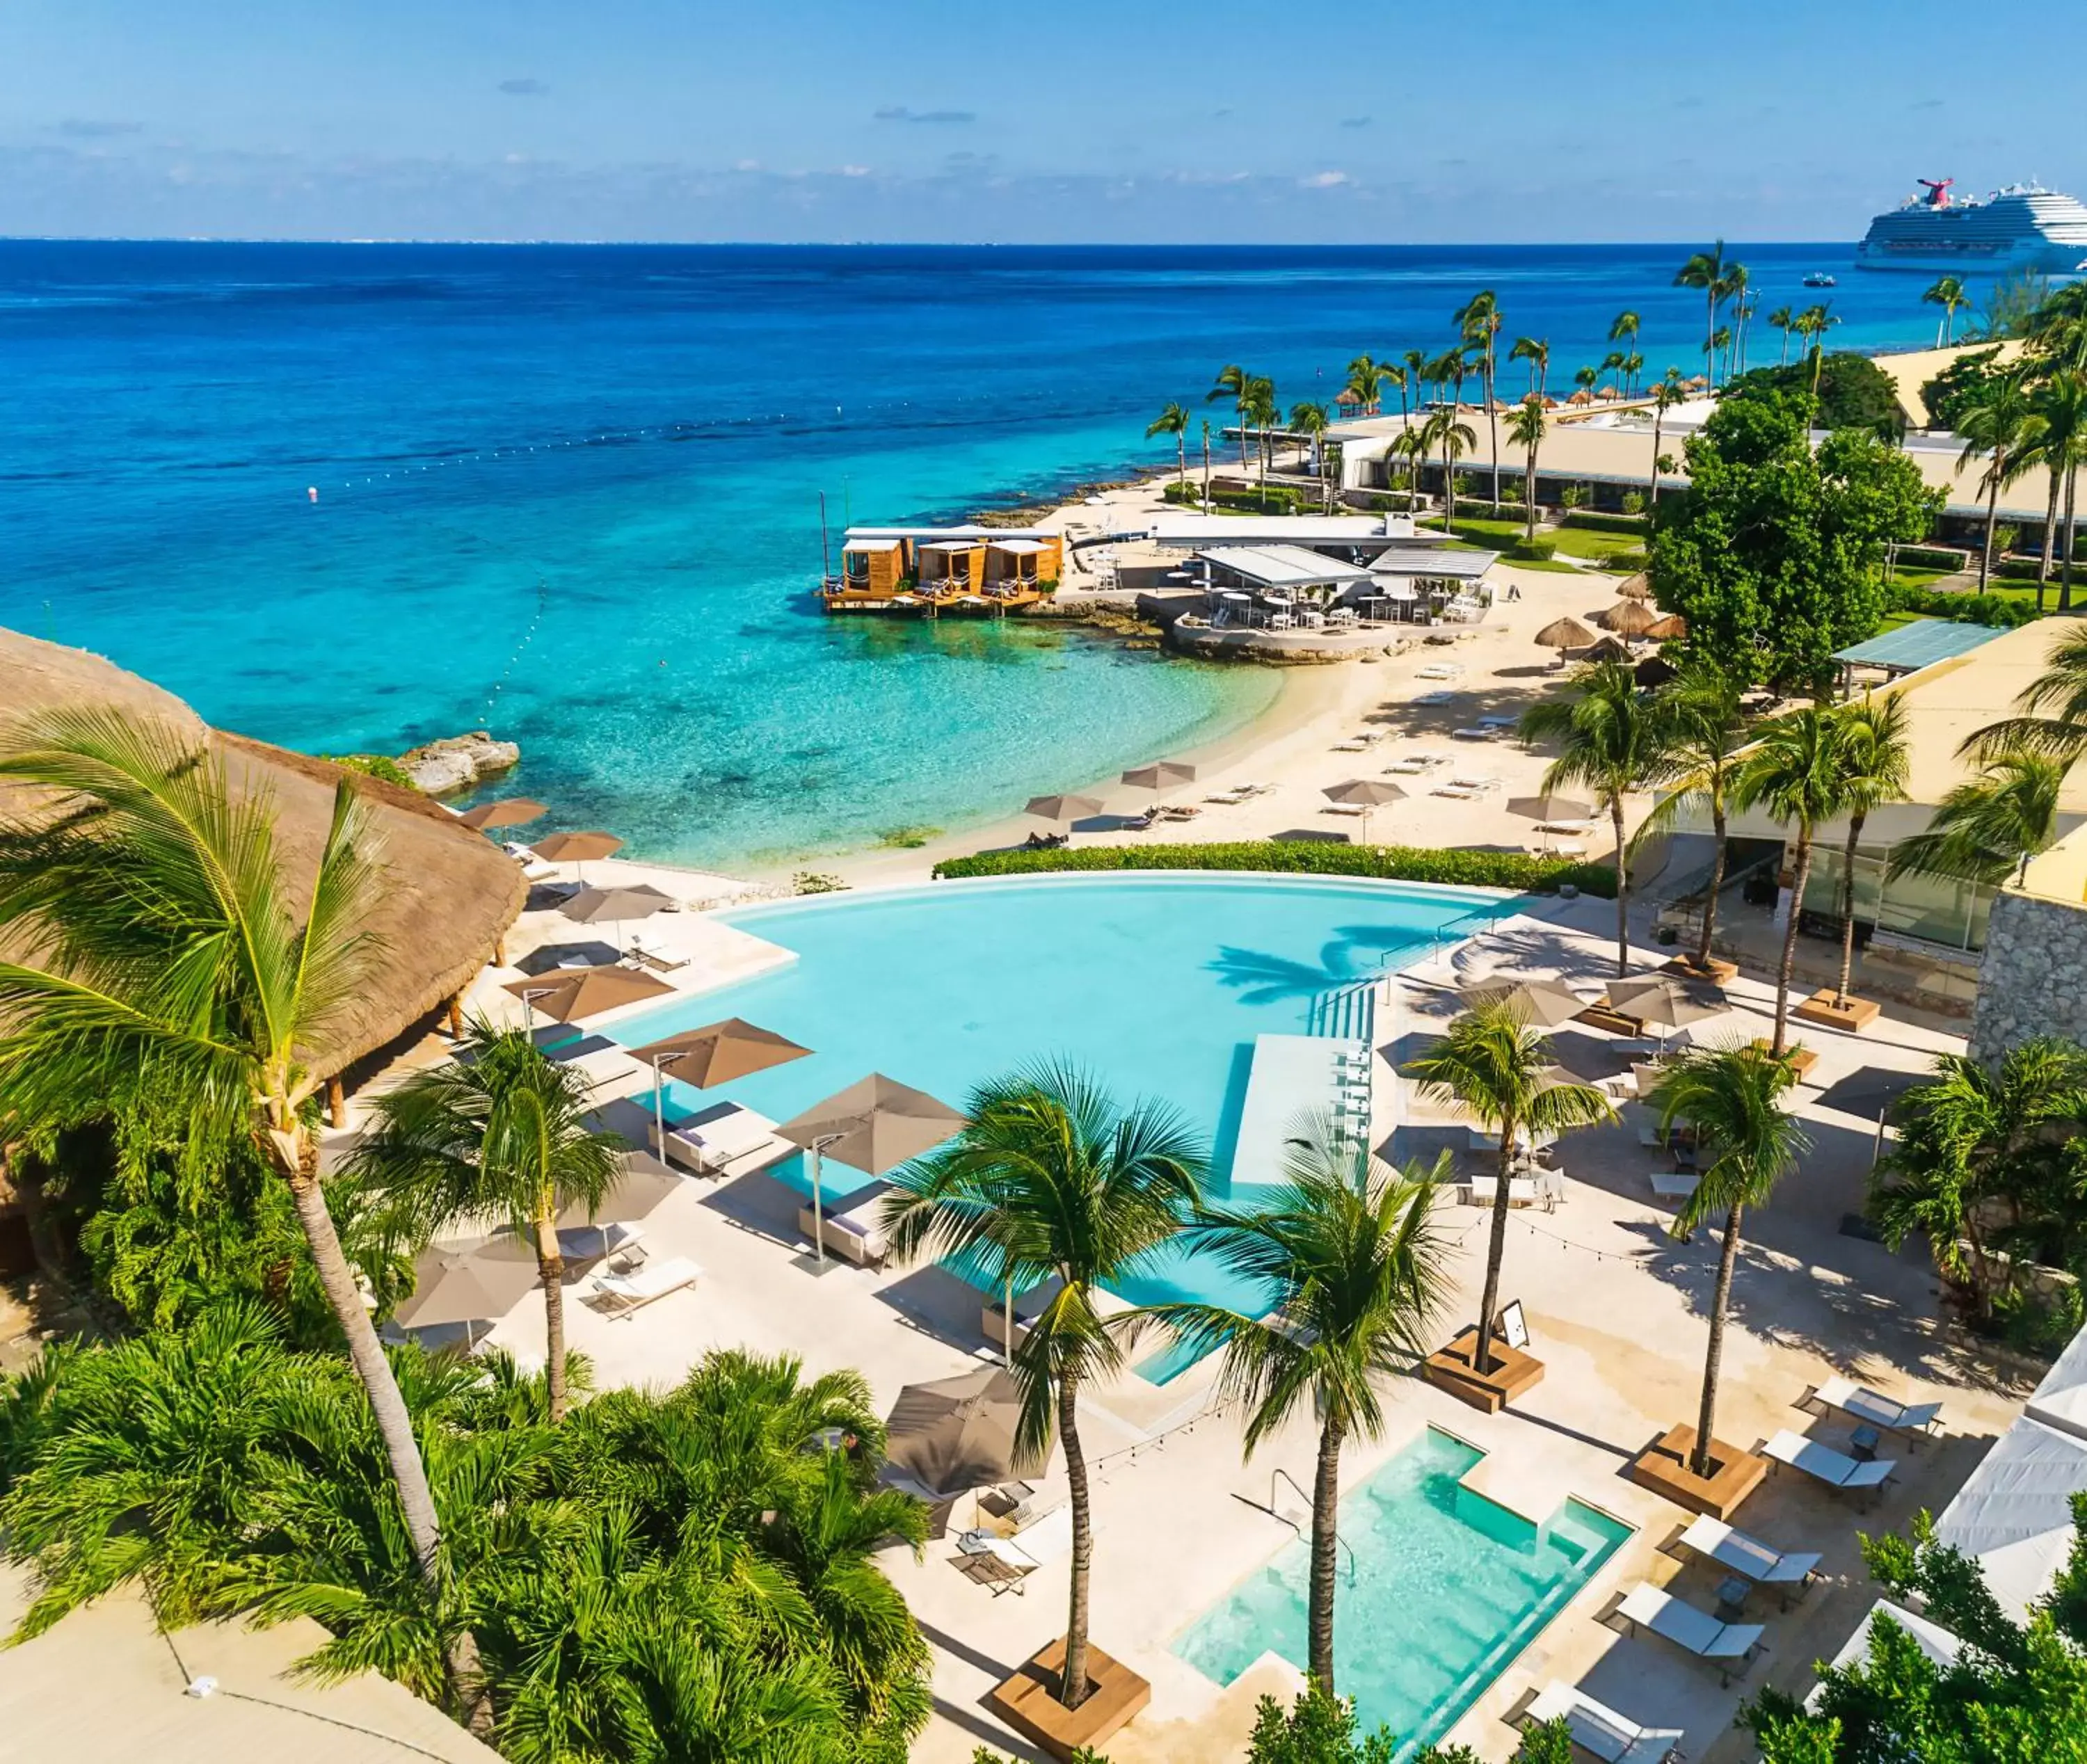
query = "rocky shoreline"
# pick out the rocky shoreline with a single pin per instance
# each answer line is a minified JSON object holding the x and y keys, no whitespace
{"x":459,"y":762}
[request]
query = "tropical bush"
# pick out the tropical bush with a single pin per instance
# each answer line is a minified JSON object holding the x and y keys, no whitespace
{"x":1930,"y":557}
{"x":1400,"y":863}
{"x":1600,"y":520}
{"x":1853,"y":392}
{"x":380,"y":766}
{"x":2004,"y":611}
{"x":1960,"y":387}
{"x":1533,"y":551}
{"x":1271,"y":499}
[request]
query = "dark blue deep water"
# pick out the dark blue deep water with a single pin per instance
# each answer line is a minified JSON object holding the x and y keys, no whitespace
{"x":572,"y":492}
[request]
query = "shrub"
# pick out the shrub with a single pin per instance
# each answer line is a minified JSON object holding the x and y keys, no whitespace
{"x":1270,"y":499}
{"x":1398,"y":864}
{"x":1624,"y":562}
{"x":1854,"y":392}
{"x":382,"y":767}
{"x":2004,"y":611}
{"x":1600,"y":520}
{"x":1534,"y":551}
{"x":1930,"y":557}
{"x":816,"y":882}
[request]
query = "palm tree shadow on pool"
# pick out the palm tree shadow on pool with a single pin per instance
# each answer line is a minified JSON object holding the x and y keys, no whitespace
{"x":1354,"y":952}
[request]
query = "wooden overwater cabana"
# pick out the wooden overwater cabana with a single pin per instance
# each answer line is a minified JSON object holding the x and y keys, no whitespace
{"x":931,"y":570}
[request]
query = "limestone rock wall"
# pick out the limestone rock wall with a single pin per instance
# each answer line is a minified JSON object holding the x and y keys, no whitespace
{"x":2032,"y":980}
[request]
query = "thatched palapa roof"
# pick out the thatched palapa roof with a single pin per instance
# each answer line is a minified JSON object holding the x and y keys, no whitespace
{"x":449,"y":894}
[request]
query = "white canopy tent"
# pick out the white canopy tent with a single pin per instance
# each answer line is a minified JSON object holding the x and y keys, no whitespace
{"x":2015,"y":1513}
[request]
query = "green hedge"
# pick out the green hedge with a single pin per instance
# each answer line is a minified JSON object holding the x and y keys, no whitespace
{"x":1398,"y":864}
{"x":1275,"y":499}
{"x":1602,"y":521}
{"x":1930,"y":557}
{"x":1539,"y":549}
{"x":2004,"y":610}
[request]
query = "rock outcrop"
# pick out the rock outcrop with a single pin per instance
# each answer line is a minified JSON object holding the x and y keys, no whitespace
{"x":457,"y":762}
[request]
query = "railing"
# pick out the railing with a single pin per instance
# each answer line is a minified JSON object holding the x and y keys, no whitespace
{"x":1281,"y":1475}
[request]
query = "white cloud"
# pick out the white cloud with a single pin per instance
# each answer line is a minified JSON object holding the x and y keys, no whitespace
{"x":1324,"y":180}
{"x":855,"y":171}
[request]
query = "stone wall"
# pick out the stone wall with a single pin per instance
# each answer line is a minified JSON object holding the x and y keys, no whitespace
{"x":2032,"y":980}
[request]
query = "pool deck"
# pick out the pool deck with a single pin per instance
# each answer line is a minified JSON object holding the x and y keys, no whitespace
{"x":1615,"y":1311}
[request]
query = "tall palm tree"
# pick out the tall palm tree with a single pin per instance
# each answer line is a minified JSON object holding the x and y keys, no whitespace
{"x":179,"y":971}
{"x":1732,"y":286}
{"x":1876,"y":759}
{"x":1453,"y":438}
{"x":1782,"y":319}
{"x":1713,"y":345}
{"x":1948,"y":294}
{"x":1366,"y":380}
{"x":2052,"y":709}
{"x":1633,"y":366}
{"x":1746,"y":1141}
{"x":1586,"y":379}
{"x":1477,"y":321}
{"x":1397,"y":375}
{"x":1526,"y":429}
{"x":1815,"y":321}
{"x":1310,"y":418}
{"x":1348,"y":1252}
{"x":1418,"y":374}
{"x":1257,"y":406}
{"x":1705,"y":269}
{"x":1623,"y":329}
{"x":1998,"y":425}
{"x":1706,"y":736}
{"x":499,"y":1135}
{"x":1411,"y":443}
{"x":1613,"y":362}
{"x":1234,"y":382}
{"x":1795,"y":773}
{"x":1666,"y":394}
{"x":2058,"y":444}
{"x":1497,"y":1068}
{"x":1174,"y":421}
{"x":1613,"y":742}
{"x":1536,"y":352}
{"x":1990,"y":827}
{"x":1050,"y":1180}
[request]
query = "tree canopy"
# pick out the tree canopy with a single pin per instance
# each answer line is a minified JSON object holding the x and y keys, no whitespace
{"x":1774,"y":552}
{"x":1854,"y":392}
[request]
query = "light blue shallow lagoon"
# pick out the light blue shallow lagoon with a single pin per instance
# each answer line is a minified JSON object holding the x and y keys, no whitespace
{"x":1158,"y":984}
{"x":1445,"y":1588}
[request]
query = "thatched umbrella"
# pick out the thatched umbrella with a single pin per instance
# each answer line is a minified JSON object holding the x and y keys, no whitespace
{"x":1161,"y":775}
{"x":1609,"y":649}
{"x":1564,"y":634}
{"x":876,"y":1124}
{"x":1667,"y":629}
{"x":449,"y":895}
{"x":1638,"y":588}
{"x":1629,"y":618}
{"x":1368,"y":794}
{"x":1655,"y":671}
{"x":716,"y":1053}
{"x":569,"y":994}
{"x":511,"y":811}
{"x":1607,"y":392}
{"x":1583,"y":396}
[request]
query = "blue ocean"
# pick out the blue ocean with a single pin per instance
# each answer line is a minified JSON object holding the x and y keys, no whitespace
{"x":572,"y":493}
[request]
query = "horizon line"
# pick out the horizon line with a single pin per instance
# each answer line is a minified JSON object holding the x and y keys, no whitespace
{"x":900,"y":244}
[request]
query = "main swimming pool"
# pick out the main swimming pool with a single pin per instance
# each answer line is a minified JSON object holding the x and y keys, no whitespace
{"x":1443,"y":1589}
{"x":1157,"y":983}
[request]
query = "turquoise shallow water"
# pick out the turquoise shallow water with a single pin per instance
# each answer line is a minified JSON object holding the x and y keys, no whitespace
{"x":1159,"y":985}
{"x":572,"y":492}
{"x":1446,"y":1588}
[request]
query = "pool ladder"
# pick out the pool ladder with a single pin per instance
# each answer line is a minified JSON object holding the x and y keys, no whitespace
{"x":1281,"y":1475}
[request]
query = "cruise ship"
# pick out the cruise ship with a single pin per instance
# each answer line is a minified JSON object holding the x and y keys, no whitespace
{"x":2023,"y":227}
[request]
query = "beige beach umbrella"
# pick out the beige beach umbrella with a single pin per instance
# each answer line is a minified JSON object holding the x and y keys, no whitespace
{"x":1161,"y":775}
{"x":568,"y":994}
{"x":576,"y":848}
{"x":1067,"y":807}
{"x":514,"y":812}
{"x":1562,"y":634}
{"x":957,"y":1434}
{"x":1667,"y":629}
{"x":716,"y":1053}
{"x":1667,"y":1001}
{"x":876,"y":1124}
{"x":459,"y":1286}
{"x":1549,"y":807}
{"x":616,"y":905}
{"x":1369,"y":794}
{"x":1540,"y":1004}
{"x":1629,"y":618}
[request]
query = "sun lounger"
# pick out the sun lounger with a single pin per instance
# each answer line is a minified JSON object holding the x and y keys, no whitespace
{"x":715,"y":1145}
{"x":534,"y":868}
{"x":1476,"y":781}
{"x":1859,"y":1403}
{"x":853,"y":1234}
{"x":1472,"y":734}
{"x":995,"y":1562}
{"x":1730,"y":1647}
{"x":1344,"y":808}
{"x":1674,"y":1185}
{"x":1749,"y":1557}
{"x":621,"y":1294}
{"x":662,"y":958}
{"x":1180,"y":812}
{"x":1436,"y":698}
{"x":1598,"y":1730}
{"x":1440,"y":670}
{"x":1500,"y":722}
{"x":1836,"y":1469}
{"x":1460,"y":793}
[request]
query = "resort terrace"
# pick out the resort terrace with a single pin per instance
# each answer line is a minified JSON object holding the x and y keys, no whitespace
{"x":935,"y":569}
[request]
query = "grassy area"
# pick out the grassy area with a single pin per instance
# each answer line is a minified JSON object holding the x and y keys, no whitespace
{"x":1491,"y":535}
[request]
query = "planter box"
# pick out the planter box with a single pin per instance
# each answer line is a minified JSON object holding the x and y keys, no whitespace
{"x":1662,"y":1467}
{"x":1028,"y":1701}
{"x":1854,"y":1017}
{"x":1452,"y":1369}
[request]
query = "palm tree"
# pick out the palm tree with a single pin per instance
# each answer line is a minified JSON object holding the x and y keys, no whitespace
{"x":1814,"y":323}
{"x":1782,"y":319}
{"x":1998,"y":425}
{"x":182,"y":976}
{"x":1366,"y":380}
{"x":1497,"y":1068}
{"x":1411,"y":443}
{"x":1257,"y":406}
{"x":1665,"y":396}
{"x":2058,"y":444}
{"x":1633,"y":366}
{"x":1705,"y":269}
{"x":1973,"y":1135}
{"x":1174,"y":421}
{"x":1746,"y":1141}
{"x":1795,"y":773}
{"x":1948,"y":294}
{"x":1349,"y":1256}
{"x":1586,"y":379}
{"x":1623,"y":329}
{"x":1236,"y":383}
{"x":1732,"y":286}
{"x":1990,"y":828}
{"x":1454,"y":438}
{"x":1398,"y":376}
{"x":1051,"y":1181}
{"x":1714,"y":345}
{"x":1706,"y":733}
{"x":1613,"y":362}
{"x":1418,"y":368}
{"x":1877,"y":762}
{"x":1612,"y":742}
{"x":1310,"y":418}
{"x":1526,"y":429}
{"x":2053,"y":707}
{"x":1536,"y":352}
{"x":499,"y":1134}
{"x":1477,"y":322}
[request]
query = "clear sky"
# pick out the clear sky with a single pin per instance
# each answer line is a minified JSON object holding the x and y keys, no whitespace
{"x":964,"y":120}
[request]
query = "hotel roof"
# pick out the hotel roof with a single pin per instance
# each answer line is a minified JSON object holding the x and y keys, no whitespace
{"x":1920,"y":643}
{"x":1284,"y":566}
{"x":858,"y":539}
{"x":1426,"y":560}
{"x":1198,"y":531}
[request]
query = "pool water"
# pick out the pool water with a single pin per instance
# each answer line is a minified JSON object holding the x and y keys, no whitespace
{"x":1446,"y":1588}
{"x":1159,"y":985}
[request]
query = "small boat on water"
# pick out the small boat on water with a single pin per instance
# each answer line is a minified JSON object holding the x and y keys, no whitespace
{"x":1821,"y":279}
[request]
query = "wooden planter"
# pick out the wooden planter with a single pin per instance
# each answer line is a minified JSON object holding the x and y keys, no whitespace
{"x":1663,"y":1467}
{"x":1028,"y":1701}
{"x":1453,"y":1368}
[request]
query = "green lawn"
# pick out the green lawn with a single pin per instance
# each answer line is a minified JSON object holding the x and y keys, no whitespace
{"x":1573,"y":541}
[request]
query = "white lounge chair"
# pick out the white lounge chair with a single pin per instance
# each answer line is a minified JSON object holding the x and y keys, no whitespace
{"x":1599,"y":1730}
{"x":1859,"y":1403}
{"x":1472,"y":734}
{"x":1460,"y":793}
{"x":1836,"y":1469}
{"x":853,"y":1234}
{"x":731,"y":1142}
{"x":621,"y":1294}
{"x":662,"y":958}
{"x":1729,"y":1647}
{"x":1440,"y":670}
{"x":1749,"y":1557}
{"x":534,"y":868}
{"x":1344,"y":808}
{"x":1436,"y":698}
